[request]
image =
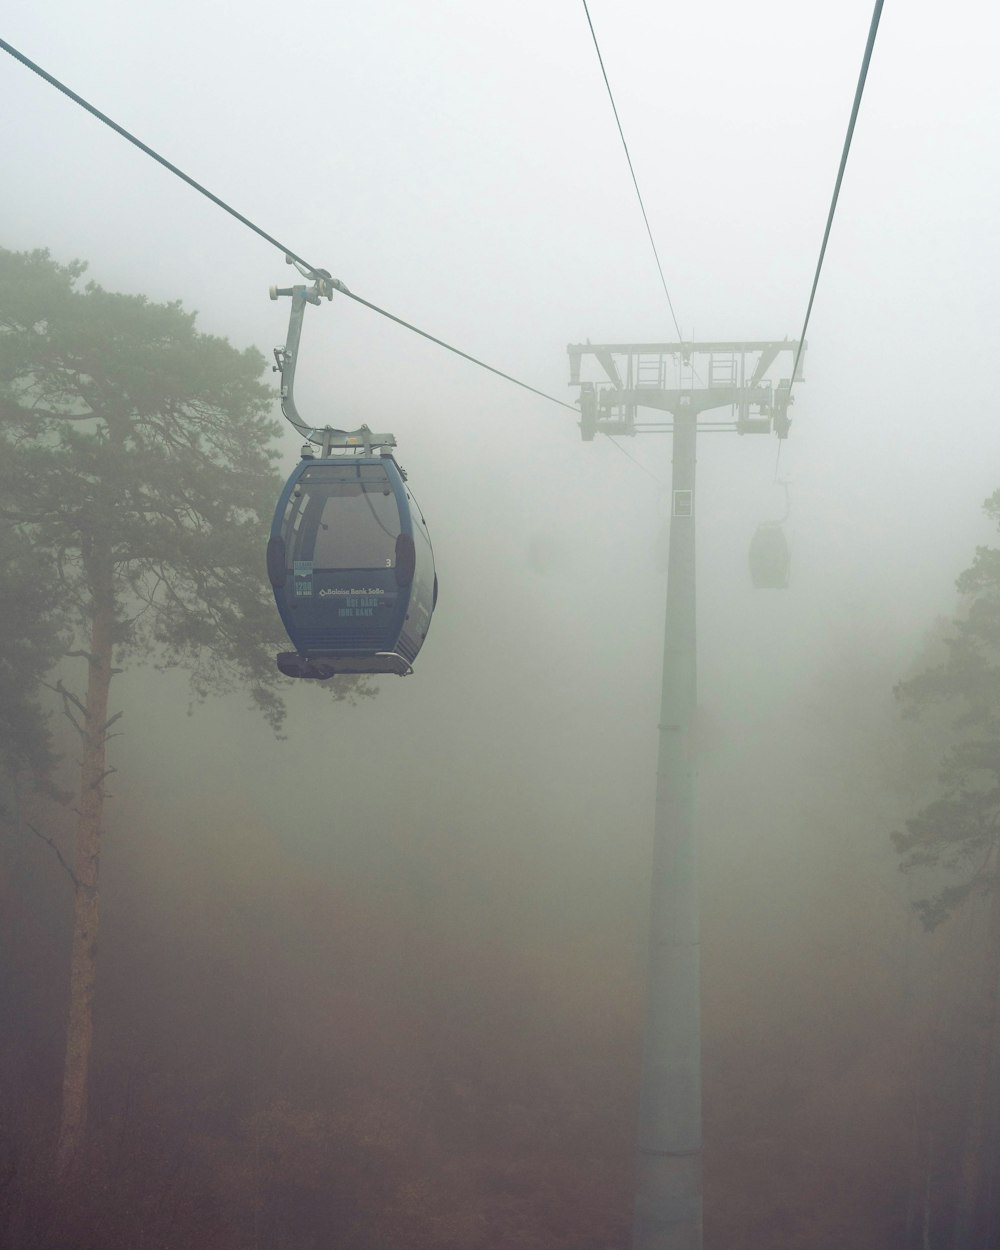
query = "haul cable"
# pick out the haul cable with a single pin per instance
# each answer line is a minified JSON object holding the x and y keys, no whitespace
{"x":859,"y":92}
{"x":311,"y":270}
{"x":631,"y":169}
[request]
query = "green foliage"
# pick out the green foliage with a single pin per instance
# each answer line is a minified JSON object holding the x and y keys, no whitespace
{"x":129,"y":437}
{"x":956,"y":834}
{"x":29,"y":646}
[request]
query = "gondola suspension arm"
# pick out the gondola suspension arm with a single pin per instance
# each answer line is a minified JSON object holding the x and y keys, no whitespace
{"x":286,"y":358}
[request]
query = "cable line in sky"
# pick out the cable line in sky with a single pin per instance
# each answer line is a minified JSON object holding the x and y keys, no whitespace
{"x":859,"y":92}
{"x":635,"y":181}
{"x":312,"y":271}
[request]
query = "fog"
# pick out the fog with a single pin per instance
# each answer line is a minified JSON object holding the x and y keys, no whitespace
{"x":470,"y":848}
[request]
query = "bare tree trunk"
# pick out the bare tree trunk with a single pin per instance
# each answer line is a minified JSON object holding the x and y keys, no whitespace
{"x":90,"y":812}
{"x":925,"y":1228}
{"x":970,"y":1179}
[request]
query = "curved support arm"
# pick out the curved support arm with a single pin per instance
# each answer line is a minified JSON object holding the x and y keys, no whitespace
{"x":286,"y":357}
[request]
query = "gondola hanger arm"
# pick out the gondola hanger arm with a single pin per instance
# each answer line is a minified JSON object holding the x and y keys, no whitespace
{"x":286,"y":359}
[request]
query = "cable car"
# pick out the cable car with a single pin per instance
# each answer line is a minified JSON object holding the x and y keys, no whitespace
{"x":349,"y":557}
{"x":352,"y":568}
{"x":770,"y":559}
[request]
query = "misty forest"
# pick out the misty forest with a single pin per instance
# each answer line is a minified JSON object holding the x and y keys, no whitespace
{"x":362,"y":962}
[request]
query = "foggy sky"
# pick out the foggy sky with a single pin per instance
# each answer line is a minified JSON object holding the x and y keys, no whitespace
{"x":459,"y":165}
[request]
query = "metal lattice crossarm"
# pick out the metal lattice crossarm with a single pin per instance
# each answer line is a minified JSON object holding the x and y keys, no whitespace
{"x":738,"y":375}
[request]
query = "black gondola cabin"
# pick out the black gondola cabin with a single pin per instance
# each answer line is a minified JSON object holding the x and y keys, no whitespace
{"x":352,"y":569}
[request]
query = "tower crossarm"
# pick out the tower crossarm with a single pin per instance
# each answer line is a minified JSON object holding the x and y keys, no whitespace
{"x":617,"y":380}
{"x":692,"y":399}
{"x":684,"y":349}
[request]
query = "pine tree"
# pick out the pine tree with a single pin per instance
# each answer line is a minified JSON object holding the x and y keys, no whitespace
{"x":954,"y":840}
{"x":137,"y":475}
{"x":957,"y":834}
{"x":29,"y":645}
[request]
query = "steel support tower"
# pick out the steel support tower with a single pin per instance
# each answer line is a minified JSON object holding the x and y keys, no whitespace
{"x":681,"y":381}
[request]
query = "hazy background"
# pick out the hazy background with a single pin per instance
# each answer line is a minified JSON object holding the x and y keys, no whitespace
{"x":458,"y":164}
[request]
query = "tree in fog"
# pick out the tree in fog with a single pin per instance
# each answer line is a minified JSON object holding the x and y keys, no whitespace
{"x":137,"y":480}
{"x":29,"y":646}
{"x":957,"y":834}
{"x":953,"y":842}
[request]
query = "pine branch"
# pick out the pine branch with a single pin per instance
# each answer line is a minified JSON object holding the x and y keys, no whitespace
{"x":67,"y":698}
{"x":59,"y":855}
{"x":68,"y":695}
{"x":108,"y":772}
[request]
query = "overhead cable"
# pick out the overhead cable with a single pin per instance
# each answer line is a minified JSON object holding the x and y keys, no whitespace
{"x":125,"y":134}
{"x":635,"y":181}
{"x":293,"y":256}
{"x":448,"y":347}
{"x":628,"y":456}
{"x":859,"y":92}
